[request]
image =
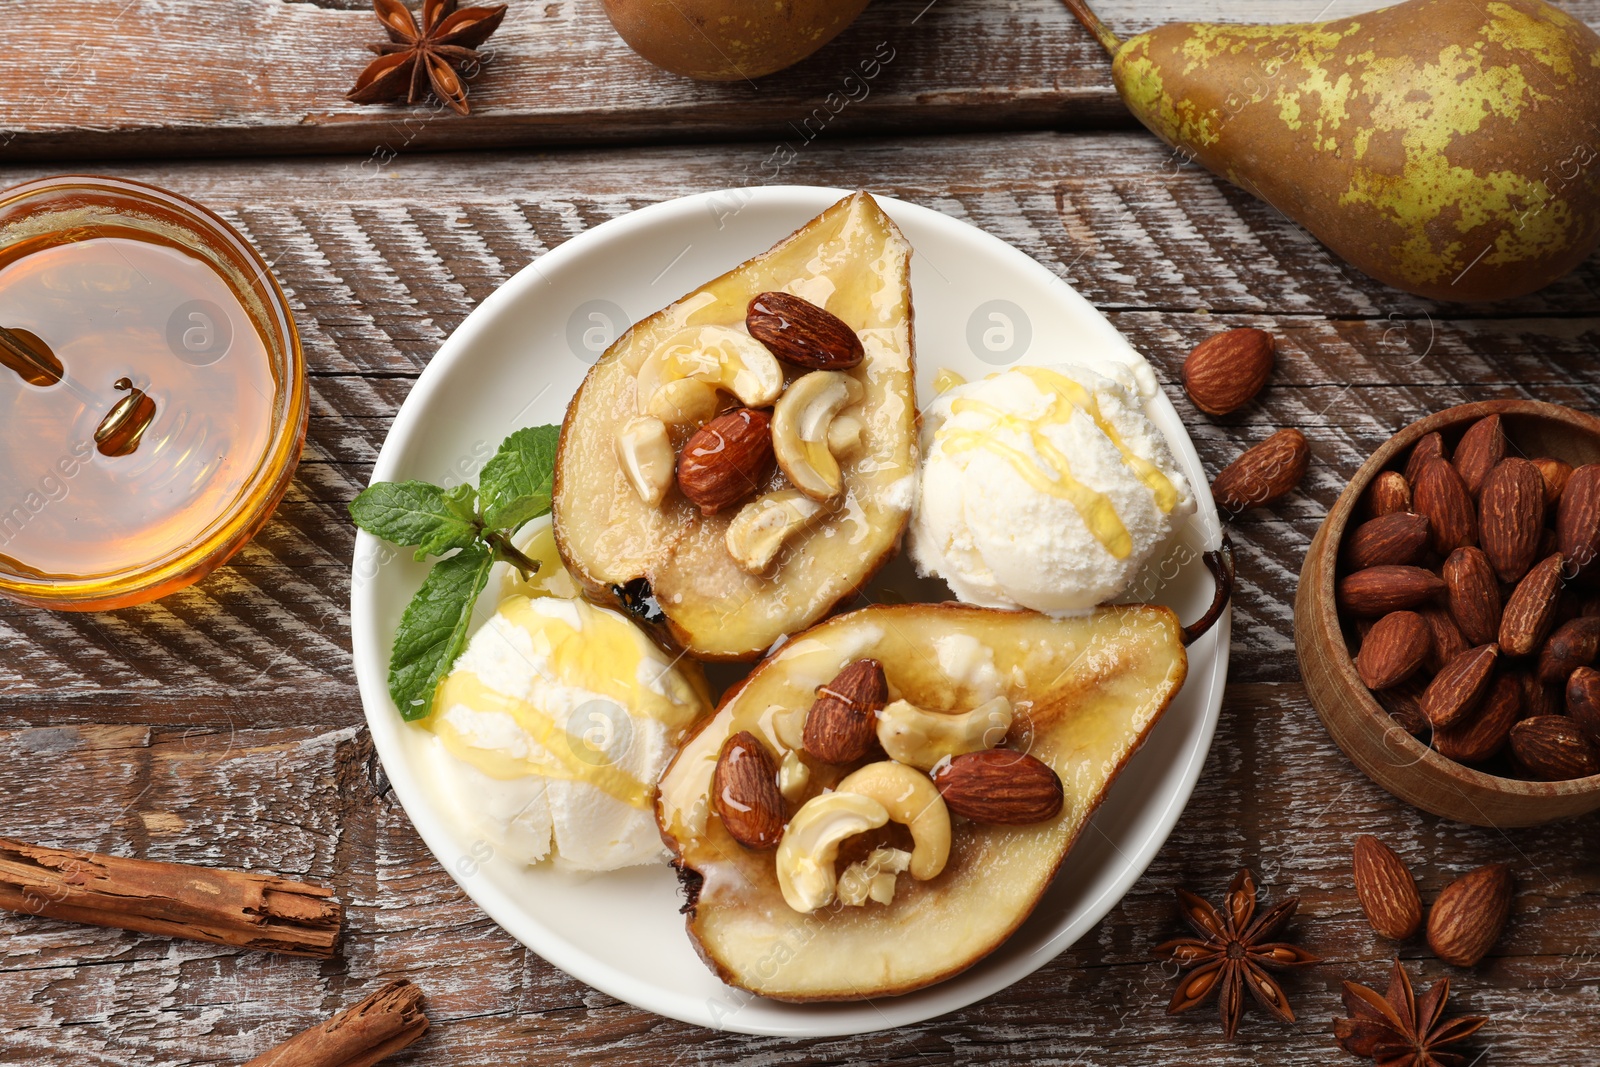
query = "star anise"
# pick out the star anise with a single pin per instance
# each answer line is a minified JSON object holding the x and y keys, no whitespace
{"x":434,"y":54}
{"x":1232,"y":954}
{"x":1398,"y":1030}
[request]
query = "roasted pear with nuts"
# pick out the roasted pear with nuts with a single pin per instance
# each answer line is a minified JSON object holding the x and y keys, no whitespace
{"x":743,"y":460}
{"x":996,"y":734}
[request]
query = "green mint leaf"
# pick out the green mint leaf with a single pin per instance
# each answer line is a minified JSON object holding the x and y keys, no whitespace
{"x":434,"y":629}
{"x":516,"y":481}
{"x":417,"y":513}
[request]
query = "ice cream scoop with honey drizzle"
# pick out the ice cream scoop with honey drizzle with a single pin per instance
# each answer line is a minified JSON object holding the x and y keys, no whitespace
{"x":1045,"y":487}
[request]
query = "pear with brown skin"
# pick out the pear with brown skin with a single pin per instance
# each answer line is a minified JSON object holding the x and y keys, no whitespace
{"x":1442,"y":146}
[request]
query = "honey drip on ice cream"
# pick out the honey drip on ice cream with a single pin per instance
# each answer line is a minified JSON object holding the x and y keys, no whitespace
{"x":1048,"y":470}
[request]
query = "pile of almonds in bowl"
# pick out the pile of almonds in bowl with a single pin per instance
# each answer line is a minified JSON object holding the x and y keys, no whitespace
{"x":1470,"y":594}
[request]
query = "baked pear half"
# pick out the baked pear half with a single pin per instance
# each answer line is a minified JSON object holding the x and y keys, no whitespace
{"x":909,"y":854}
{"x":745,"y":486}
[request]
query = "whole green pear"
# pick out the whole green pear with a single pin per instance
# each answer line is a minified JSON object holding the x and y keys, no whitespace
{"x":1445,"y":147}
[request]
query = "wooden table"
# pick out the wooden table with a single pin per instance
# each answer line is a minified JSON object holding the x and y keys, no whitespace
{"x":221,"y":725}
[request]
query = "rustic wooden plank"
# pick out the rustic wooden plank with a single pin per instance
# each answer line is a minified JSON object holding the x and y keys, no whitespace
{"x":101,"y":78}
{"x":311,"y":802}
{"x":380,"y":270}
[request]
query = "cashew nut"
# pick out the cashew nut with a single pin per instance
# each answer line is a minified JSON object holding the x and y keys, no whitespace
{"x":912,"y":800}
{"x":678,"y":382}
{"x":802,"y":423}
{"x":844,"y":436}
{"x":645,"y":452}
{"x":762,"y":526}
{"x":873,"y":877}
{"x":923,"y":738}
{"x":793,"y":776}
{"x":811,"y":843}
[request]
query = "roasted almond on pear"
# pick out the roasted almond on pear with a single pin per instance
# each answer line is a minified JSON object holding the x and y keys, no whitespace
{"x":998,"y":785}
{"x":1265,"y":473}
{"x":726,"y":460}
{"x":744,"y":793}
{"x":842,"y":725}
{"x":802,"y":333}
{"x":1470,"y":915}
{"x":1386,"y":889}
{"x":1225,"y":372}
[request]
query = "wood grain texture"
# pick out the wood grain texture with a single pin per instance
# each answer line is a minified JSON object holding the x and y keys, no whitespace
{"x":221,"y":724}
{"x":261,"y":76}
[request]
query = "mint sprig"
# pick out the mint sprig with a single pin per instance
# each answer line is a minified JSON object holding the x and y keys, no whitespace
{"x":470,"y":528}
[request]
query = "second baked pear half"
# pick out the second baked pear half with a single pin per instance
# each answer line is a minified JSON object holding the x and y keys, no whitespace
{"x":745,"y":456}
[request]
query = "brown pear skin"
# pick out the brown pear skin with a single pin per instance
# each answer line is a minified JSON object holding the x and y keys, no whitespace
{"x":1444,"y":147}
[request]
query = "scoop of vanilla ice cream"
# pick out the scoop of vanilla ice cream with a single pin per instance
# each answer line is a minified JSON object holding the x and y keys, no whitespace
{"x":551,"y":731}
{"x":1045,"y":487}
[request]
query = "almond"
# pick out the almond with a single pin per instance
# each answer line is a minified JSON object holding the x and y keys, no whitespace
{"x":1387,"y":892}
{"x":799,"y":332}
{"x":1448,"y":641}
{"x":1388,"y":494}
{"x":1470,"y":914}
{"x":1263,"y":474}
{"x":1555,"y":473}
{"x":1456,"y":691}
{"x":1583,"y":701}
{"x":1511,"y":517}
{"x":1480,"y":450}
{"x":1575,"y":644}
{"x":997,"y":785}
{"x":1531,"y":609}
{"x":1473,"y":595}
{"x":1553,"y":748}
{"x":1379,"y":590}
{"x":1225,"y":372}
{"x":1578,"y":517}
{"x":1539,"y":698}
{"x":1395,"y":539}
{"x":1481,"y":736}
{"x":744,"y":792}
{"x":1394,"y":649}
{"x":1439,"y":494}
{"x":1429,"y":448}
{"x":726,"y":460}
{"x":1404,"y":705}
{"x":842,"y":725}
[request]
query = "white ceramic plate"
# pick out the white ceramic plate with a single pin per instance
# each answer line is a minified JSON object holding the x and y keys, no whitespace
{"x":516,"y":361}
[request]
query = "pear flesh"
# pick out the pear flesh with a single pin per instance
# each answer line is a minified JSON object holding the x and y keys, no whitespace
{"x":1443,"y":147}
{"x":1085,"y":690}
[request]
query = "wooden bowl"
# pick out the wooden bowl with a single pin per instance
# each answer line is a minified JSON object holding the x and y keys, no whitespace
{"x":1357,"y":722}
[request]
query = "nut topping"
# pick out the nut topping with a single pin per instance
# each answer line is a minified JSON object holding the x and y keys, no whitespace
{"x":998,"y":785}
{"x":802,"y":423}
{"x":711,"y":358}
{"x":842,"y":724}
{"x":799,"y":332}
{"x":925,"y":738}
{"x":645,"y":452}
{"x":744,"y":792}
{"x":726,"y":460}
{"x":761,"y":529}
{"x":912,"y":801}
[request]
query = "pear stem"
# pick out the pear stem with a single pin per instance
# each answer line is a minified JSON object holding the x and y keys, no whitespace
{"x":1092,"y":22}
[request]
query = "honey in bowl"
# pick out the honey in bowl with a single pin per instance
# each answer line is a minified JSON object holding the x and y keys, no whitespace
{"x":152,"y":396}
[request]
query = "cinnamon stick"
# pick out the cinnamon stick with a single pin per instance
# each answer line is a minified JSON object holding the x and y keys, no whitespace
{"x":375,"y":1029}
{"x":176,"y":899}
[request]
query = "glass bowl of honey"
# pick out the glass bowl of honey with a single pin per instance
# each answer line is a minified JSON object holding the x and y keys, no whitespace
{"x":152,"y":393}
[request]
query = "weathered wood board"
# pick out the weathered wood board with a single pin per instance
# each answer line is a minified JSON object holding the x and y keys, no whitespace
{"x":221,"y":725}
{"x":86,"y":79}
